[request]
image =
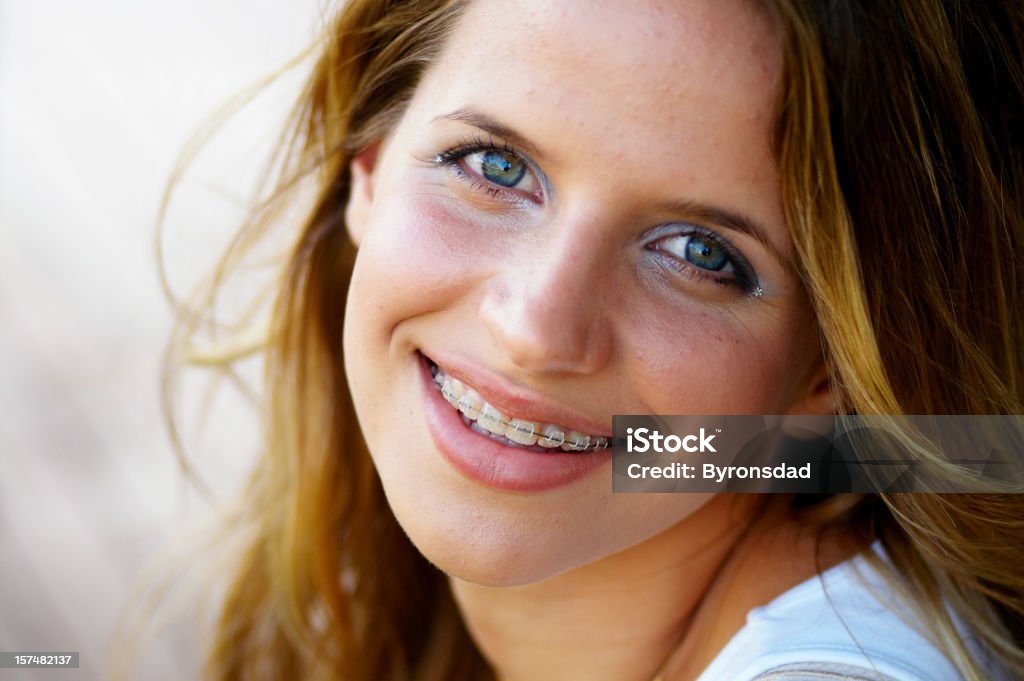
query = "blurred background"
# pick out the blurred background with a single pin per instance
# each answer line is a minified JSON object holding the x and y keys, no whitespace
{"x":97,"y":100}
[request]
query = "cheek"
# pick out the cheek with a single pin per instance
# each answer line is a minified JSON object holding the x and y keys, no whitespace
{"x":708,"y":361}
{"x":419,"y":254}
{"x":401,"y":271}
{"x":406,"y":252}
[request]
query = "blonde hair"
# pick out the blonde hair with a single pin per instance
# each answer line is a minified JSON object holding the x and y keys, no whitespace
{"x":899,"y":144}
{"x":901,"y":148}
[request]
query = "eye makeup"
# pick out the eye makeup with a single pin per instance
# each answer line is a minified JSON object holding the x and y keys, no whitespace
{"x":495,"y":169}
{"x":701,"y":254}
{"x":692,"y":251}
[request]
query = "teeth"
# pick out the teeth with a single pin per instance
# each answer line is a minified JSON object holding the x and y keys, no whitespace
{"x":451,"y":388}
{"x":492,"y":420}
{"x":470,"y":404}
{"x":522,"y":432}
{"x":487,"y":420}
{"x":551,"y":436}
{"x":576,"y":442}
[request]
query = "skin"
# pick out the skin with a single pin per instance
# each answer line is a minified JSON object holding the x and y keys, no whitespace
{"x":564,"y":286}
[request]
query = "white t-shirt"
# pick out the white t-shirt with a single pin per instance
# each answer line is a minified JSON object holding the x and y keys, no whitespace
{"x":845,"y":616}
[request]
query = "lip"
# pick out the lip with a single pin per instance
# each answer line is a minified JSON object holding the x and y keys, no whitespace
{"x":491,"y":463}
{"x":516,"y":400}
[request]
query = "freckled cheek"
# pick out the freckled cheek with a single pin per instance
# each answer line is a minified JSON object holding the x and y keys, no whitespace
{"x":420,"y":253}
{"x":703,"y":363}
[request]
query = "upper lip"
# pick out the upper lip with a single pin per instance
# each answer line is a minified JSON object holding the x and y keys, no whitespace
{"x":515,"y":400}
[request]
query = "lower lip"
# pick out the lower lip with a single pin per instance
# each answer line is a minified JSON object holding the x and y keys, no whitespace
{"x":488,"y":462}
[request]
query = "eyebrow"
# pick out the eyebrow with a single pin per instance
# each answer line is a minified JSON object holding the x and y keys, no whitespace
{"x":701,"y":211}
{"x":489,"y":124}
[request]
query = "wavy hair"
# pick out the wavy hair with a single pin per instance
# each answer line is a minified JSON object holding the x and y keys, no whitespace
{"x":900,"y":142}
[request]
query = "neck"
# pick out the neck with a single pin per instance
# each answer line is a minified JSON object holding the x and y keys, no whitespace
{"x":618,"y":618}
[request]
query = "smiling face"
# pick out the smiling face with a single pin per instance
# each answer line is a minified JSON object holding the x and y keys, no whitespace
{"x":578,"y":215}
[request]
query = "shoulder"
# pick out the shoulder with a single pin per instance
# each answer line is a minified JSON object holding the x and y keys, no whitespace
{"x":821,"y":671}
{"x":846,"y":623}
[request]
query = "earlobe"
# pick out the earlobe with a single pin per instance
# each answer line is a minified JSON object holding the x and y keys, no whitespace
{"x":361,"y":189}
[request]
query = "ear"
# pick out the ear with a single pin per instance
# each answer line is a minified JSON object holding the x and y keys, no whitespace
{"x":818,"y":394}
{"x":360,"y":194}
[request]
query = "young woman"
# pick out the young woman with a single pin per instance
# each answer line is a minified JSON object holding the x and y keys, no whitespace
{"x":531,"y":216}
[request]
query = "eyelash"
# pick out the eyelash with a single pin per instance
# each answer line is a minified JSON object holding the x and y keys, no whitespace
{"x":743,"y":277}
{"x":453,"y":157}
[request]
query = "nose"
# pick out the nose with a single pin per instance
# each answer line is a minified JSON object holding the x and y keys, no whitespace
{"x":548,"y":309}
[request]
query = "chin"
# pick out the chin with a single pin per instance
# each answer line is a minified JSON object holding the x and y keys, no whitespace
{"x":484,"y":546}
{"x":500,"y":540}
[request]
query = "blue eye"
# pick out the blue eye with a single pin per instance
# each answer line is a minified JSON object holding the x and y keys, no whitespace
{"x":500,"y":167}
{"x":496,"y":171}
{"x":503,"y":168}
{"x":702,"y":255}
{"x":701,"y":250}
{"x":705,"y":253}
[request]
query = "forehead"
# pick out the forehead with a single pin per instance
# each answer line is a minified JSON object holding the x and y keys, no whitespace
{"x":648,"y":56}
{"x":683,"y":85}
{"x":731,"y":38}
